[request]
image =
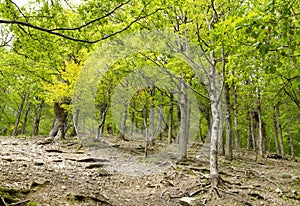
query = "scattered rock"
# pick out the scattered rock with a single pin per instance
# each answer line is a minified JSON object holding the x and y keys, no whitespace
{"x":54,"y":150}
{"x":279,"y":191}
{"x":96,"y":165}
{"x":14,"y":143}
{"x":38,"y":183}
{"x":4,"y":143}
{"x":38,"y":162}
{"x":92,"y":159}
{"x":188,"y":201}
{"x":7,"y":158}
{"x":48,"y":140}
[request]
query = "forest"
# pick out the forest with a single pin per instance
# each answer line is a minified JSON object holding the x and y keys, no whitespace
{"x":187,"y":83}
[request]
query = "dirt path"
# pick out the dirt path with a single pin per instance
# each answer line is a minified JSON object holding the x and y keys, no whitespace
{"x":60,"y":174}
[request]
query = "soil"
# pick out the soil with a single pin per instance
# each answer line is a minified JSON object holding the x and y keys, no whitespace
{"x":37,"y":171}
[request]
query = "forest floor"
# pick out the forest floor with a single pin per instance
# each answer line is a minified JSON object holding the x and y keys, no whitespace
{"x":34,"y":171}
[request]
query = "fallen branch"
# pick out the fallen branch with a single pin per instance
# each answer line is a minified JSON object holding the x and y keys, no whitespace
{"x":3,"y":201}
{"x":19,"y":203}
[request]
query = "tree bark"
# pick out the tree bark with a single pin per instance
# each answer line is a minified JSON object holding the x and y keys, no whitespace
{"x":261,"y":139}
{"x":103,"y":112}
{"x":123,"y":122}
{"x":23,"y":130}
{"x":170,"y":129}
{"x":229,"y":155}
{"x":279,"y":131}
{"x":221,"y":148}
{"x":215,"y":101}
{"x":276,"y":133}
{"x":249,"y":131}
{"x":59,"y":123}
{"x":253,"y":133}
{"x":20,"y":111}
{"x":36,"y":119}
{"x":75,"y":123}
{"x":290,"y":132}
{"x":235,"y":116}
{"x":183,"y":127}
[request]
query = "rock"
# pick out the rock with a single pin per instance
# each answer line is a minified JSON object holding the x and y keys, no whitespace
{"x":7,"y":158}
{"x":96,"y":165}
{"x":14,"y":143}
{"x":38,"y":162}
{"x":188,"y":201}
{"x":295,"y":178}
{"x":92,"y":159}
{"x":279,"y":191}
{"x":38,"y":183}
{"x":54,"y":150}
{"x":4,"y":143}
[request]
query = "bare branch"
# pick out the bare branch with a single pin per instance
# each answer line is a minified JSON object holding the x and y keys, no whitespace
{"x":3,"y":21}
{"x":94,"y":20}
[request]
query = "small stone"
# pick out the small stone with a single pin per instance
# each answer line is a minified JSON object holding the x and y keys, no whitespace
{"x":63,"y":187}
{"x":38,"y":162}
{"x":278,"y":190}
{"x":7,"y":158}
{"x":295,"y":177}
{"x":14,"y":143}
{"x":187,"y":201}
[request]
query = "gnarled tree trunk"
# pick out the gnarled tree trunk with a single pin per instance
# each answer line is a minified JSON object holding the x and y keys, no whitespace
{"x":60,"y":121}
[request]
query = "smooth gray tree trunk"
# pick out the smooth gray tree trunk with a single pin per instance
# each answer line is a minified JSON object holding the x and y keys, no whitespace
{"x":279,"y":131}
{"x":183,"y":127}
{"x":229,"y":155}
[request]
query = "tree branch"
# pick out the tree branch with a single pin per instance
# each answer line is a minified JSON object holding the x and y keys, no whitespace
{"x":53,"y":31}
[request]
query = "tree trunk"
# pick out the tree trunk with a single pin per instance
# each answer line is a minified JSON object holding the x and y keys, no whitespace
{"x":276,"y":133}
{"x":279,"y":131}
{"x":215,"y":101}
{"x":183,"y":127}
{"x":159,"y":121}
{"x":235,"y":116}
{"x":253,"y":133}
{"x":290,"y":132}
{"x":23,"y":130}
{"x":59,"y":123}
{"x":221,"y":149}
{"x":36,"y":119}
{"x":171,"y":109}
{"x":100,"y":129}
{"x":249,"y":131}
{"x":123,"y":122}
{"x":75,"y":123}
{"x":20,"y":111}
{"x":229,"y":155}
{"x":261,"y":137}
